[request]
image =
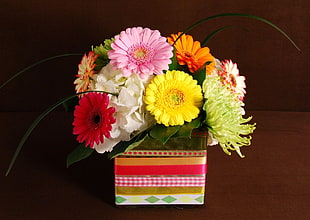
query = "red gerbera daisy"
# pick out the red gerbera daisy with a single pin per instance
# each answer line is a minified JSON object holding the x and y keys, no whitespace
{"x":93,"y":119}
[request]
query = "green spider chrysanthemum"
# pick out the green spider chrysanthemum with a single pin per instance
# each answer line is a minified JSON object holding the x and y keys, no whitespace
{"x":224,"y":116}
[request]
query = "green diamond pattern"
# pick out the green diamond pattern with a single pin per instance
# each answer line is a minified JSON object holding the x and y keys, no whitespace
{"x":152,"y":199}
{"x":169,"y":199}
{"x":120,"y":199}
{"x":200,"y":199}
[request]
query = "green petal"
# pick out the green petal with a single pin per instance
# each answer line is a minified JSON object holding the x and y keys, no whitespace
{"x":224,"y":117}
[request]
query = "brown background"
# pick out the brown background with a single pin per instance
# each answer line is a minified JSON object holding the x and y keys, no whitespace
{"x":272,"y":182}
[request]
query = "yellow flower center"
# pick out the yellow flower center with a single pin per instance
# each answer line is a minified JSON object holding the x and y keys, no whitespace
{"x":174,"y":98}
{"x":140,"y":53}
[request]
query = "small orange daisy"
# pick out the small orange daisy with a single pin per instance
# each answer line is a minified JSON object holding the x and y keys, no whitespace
{"x":190,"y":53}
{"x":86,"y":71}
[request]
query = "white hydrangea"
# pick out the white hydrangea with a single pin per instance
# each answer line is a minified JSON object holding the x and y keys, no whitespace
{"x":131,"y":116}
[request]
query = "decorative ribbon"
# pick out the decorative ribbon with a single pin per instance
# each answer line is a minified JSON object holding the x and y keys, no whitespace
{"x":161,"y":170}
{"x":165,"y":153}
{"x":160,"y":181}
{"x":159,"y":161}
{"x":158,"y":190}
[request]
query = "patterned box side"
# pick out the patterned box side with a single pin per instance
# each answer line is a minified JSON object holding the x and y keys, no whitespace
{"x":160,"y":177}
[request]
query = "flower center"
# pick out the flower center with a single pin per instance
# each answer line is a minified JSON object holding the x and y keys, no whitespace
{"x":187,"y":54}
{"x":96,"y":119}
{"x":175,"y":98}
{"x":233,"y":80}
{"x":140,"y":54}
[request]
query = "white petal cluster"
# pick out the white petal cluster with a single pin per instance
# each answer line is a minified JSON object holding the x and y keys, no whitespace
{"x":131,"y":116}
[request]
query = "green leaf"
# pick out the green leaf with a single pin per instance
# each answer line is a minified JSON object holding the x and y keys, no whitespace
{"x":102,"y":51}
{"x":78,"y":154}
{"x":70,"y":104}
{"x":187,"y":128}
{"x":174,"y":62}
{"x":101,"y":62}
{"x":200,"y":75}
{"x":163,"y":133}
{"x":124,"y":146}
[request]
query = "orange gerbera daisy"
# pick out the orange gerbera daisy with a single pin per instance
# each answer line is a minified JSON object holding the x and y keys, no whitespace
{"x":190,"y":53}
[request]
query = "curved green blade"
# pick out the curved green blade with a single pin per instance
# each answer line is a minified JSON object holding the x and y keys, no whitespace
{"x":239,"y":15}
{"x":203,"y":43}
{"x":37,"y":121}
{"x":37,"y":63}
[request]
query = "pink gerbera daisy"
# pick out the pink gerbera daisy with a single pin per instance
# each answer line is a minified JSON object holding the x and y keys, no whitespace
{"x":141,"y":51}
{"x":93,"y":119}
{"x":230,"y":77}
{"x":86,"y":71}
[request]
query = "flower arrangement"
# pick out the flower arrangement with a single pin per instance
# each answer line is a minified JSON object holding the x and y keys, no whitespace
{"x":140,"y":84}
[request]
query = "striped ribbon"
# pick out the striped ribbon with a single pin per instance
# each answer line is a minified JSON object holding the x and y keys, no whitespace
{"x":161,"y":170}
{"x":160,"y":166}
{"x":166,"y":181}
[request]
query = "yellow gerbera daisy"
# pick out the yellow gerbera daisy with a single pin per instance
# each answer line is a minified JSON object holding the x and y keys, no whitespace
{"x":173,"y":98}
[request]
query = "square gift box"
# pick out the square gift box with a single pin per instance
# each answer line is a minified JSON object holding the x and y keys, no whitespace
{"x":157,"y":174}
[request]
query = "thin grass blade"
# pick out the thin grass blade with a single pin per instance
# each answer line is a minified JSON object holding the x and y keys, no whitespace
{"x":239,"y":15}
{"x":204,"y":42}
{"x":37,"y":121}
{"x":37,"y":63}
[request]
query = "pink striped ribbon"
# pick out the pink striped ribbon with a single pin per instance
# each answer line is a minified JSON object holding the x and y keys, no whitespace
{"x":194,"y":181}
{"x":196,"y":169}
